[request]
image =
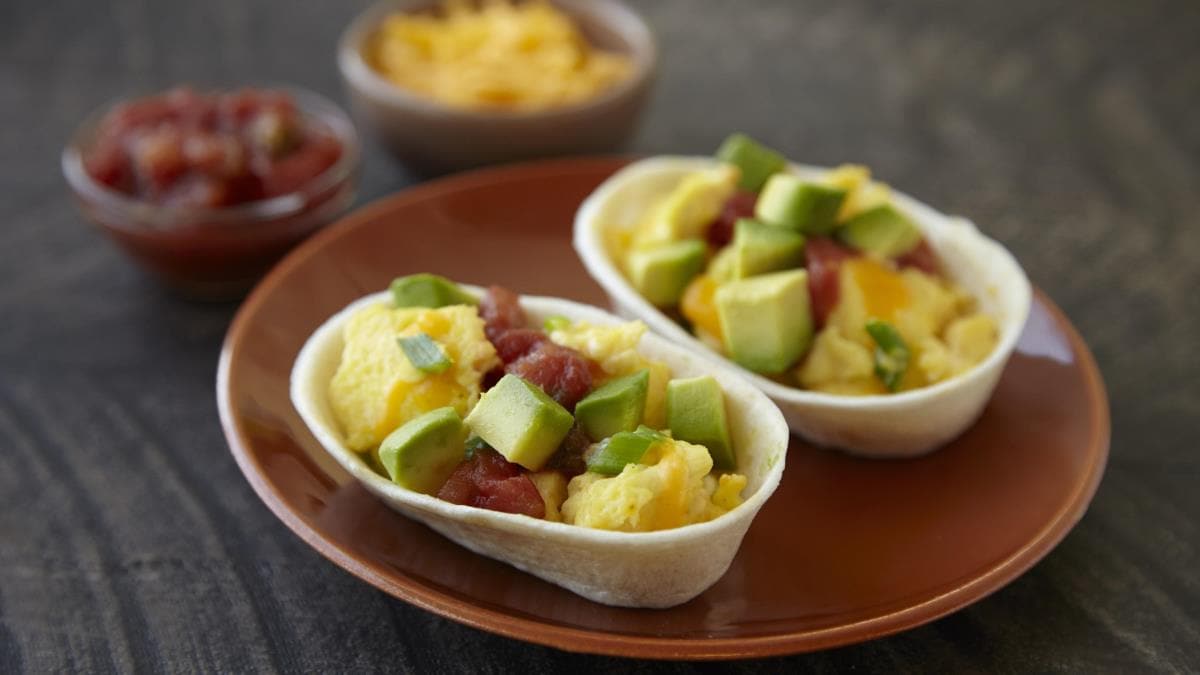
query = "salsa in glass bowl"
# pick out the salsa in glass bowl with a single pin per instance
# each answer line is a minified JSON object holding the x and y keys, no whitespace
{"x":206,"y":190}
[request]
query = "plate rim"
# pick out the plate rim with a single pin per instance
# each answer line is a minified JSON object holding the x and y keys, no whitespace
{"x":625,"y":644}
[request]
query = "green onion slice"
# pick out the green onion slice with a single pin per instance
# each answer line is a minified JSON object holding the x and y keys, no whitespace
{"x":555,"y":322}
{"x":891,"y":353}
{"x":610,"y":456}
{"x":426,"y":355}
{"x":474,"y":445}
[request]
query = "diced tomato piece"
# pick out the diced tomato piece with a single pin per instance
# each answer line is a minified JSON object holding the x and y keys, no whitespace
{"x":145,"y":114}
{"x":158,"y":157}
{"x":196,"y":190}
{"x":214,"y":154}
{"x":740,"y":205}
{"x":145,"y":147}
{"x":501,"y":311}
{"x":293,"y":170}
{"x":109,"y":164}
{"x":568,"y":458}
{"x":823,"y":258}
{"x":922,"y":257}
{"x":563,"y":373}
{"x":513,"y":344}
{"x":488,"y":481}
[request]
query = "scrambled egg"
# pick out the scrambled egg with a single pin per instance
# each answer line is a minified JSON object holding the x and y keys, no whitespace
{"x":376,"y":388}
{"x":935,"y":318}
{"x":552,"y":486}
{"x":670,"y":488}
{"x":686,"y":211}
{"x":494,"y":55}
{"x":615,"y":349}
{"x":861,"y":192}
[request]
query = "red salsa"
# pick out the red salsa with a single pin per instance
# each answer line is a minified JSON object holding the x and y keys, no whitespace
{"x":190,"y":149}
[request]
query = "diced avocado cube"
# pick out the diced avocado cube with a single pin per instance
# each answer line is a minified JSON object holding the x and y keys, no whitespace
{"x":789,"y":201}
{"x":696,"y":414}
{"x":756,"y":162}
{"x":765,"y":248}
{"x":766,"y":320}
{"x":627,"y":447}
{"x":882,"y":230}
{"x":428,"y":290}
{"x":615,"y":406}
{"x":422,"y":453}
{"x":520,"y":421}
{"x":661,"y":273}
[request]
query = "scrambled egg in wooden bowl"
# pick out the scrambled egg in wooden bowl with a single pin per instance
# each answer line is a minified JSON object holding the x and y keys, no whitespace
{"x":878,"y":325}
{"x":462,"y":83}
{"x":546,"y":434}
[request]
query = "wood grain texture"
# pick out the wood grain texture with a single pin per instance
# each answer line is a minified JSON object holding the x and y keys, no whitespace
{"x":1068,"y":130}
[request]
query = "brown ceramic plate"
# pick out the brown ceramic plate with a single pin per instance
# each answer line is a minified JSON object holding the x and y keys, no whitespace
{"x":846,"y":550}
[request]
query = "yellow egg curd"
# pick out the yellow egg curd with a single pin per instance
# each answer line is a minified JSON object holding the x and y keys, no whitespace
{"x":376,"y":388}
{"x":494,"y":55}
{"x":670,"y":487}
{"x":936,"y":319}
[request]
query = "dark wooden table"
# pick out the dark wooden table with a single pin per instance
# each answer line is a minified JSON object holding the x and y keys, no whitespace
{"x":1069,"y":131}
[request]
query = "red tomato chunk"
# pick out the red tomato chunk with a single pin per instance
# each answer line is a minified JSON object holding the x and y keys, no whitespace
{"x":923,"y":258}
{"x":740,"y":205}
{"x":513,"y":344}
{"x":488,"y":481}
{"x":187,"y":149}
{"x":563,"y":373}
{"x":569,"y":458}
{"x":823,"y":258}
{"x":501,"y":311}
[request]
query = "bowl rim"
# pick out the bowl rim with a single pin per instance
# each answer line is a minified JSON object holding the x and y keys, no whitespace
{"x":616,"y":15}
{"x":134,"y":214}
{"x":589,"y":245}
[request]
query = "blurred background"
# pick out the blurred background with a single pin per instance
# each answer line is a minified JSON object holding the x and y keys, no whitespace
{"x":1066,"y":130}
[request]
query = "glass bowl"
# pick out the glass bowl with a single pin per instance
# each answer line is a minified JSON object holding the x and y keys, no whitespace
{"x":217,"y":252}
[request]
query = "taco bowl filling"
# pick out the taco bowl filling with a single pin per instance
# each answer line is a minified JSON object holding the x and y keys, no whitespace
{"x":823,"y":283}
{"x":460,"y":398}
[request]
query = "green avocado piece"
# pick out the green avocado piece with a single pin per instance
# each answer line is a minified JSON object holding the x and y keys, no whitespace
{"x":428,"y":290}
{"x":789,"y":201}
{"x":882,"y":230}
{"x":662,"y":272}
{"x":765,"y":248}
{"x":696,"y":414}
{"x":610,"y":456}
{"x":614,"y":407}
{"x":766,"y":320}
{"x":422,"y":453}
{"x":755,"y":161}
{"x":520,"y":421}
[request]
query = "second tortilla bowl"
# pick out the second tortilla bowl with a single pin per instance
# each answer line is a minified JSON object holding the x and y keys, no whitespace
{"x":644,"y":569}
{"x":903,"y":424}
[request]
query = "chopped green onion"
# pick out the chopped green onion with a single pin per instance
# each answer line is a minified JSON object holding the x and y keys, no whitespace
{"x":426,"y":355}
{"x":891,"y":354}
{"x":610,"y":456}
{"x":555,"y":322}
{"x":474,"y":445}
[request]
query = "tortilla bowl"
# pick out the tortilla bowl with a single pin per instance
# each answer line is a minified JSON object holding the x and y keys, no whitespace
{"x":643,"y":569}
{"x":892,"y":425}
